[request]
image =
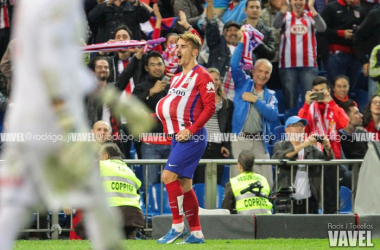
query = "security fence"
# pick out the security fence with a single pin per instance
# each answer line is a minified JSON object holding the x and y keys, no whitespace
{"x":211,"y":184}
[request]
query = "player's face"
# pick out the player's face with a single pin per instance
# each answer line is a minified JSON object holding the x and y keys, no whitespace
{"x":355,"y":117}
{"x":216,"y":78}
{"x":102,"y":132}
{"x":253,"y":10}
{"x":122,"y":35}
{"x":341,"y":88}
{"x":102,"y":70}
{"x":185,"y":53}
{"x":261,"y":74}
{"x":156,"y":67}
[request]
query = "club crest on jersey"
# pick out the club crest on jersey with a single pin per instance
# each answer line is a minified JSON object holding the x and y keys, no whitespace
{"x":179,"y":92}
{"x":210,"y":87}
{"x":356,"y":14}
{"x":298,"y":29}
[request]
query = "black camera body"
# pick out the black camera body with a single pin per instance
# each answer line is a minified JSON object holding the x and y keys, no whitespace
{"x":283,"y":200}
{"x":319,"y":138}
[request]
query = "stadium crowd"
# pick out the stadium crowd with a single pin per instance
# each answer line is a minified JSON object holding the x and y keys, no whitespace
{"x":280,"y":67}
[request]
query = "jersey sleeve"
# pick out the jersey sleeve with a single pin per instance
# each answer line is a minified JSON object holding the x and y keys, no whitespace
{"x":206,"y":89}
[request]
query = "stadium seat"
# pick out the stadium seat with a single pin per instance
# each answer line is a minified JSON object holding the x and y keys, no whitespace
{"x":361,"y":98}
{"x":199,"y":190}
{"x":345,"y":200}
{"x":281,"y":100}
{"x":273,"y":125}
{"x":154,"y":199}
{"x":290,"y":112}
{"x":278,"y":131}
{"x":270,"y":150}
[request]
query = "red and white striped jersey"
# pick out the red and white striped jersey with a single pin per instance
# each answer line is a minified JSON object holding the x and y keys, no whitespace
{"x":298,"y":44}
{"x":4,"y":15}
{"x":190,"y":102}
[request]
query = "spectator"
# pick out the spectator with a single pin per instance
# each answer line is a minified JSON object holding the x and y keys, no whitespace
{"x":267,"y":17}
{"x":150,"y":91}
{"x":307,"y":183}
{"x":193,"y":10}
{"x":371,"y":116}
{"x":218,"y":146}
{"x":298,"y":65}
{"x":255,"y":108}
{"x":266,"y":49}
{"x":341,"y":86}
{"x":6,"y":11}
{"x":325,"y":117}
{"x":121,"y":186}
{"x":251,"y":202}
{"x":342,"y":19}
{"x":365,"y":39}
{"x":353,"y":145}
{"x":221,"y":48}
{"x":96,"y":109}
{"x":234,"y":12}
{"x":106,"y":16}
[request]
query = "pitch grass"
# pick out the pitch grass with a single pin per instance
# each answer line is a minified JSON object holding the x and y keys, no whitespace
{"x":270,"y":244}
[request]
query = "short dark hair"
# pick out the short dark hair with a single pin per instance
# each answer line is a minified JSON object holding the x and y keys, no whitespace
{"x":246,"y":160}
{"x":341,"y":77}
{"x":151,"y":54}
{"x":367,"y":114}
{"x":347,"y":105}
{"x":246,"y":4}
{"x":123,"y":27}
{"x":321,"y":80}
{"x":94,"y":60}
{"x":111,"y":149}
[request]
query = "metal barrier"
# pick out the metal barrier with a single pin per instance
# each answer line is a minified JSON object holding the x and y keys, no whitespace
{"x":211,"y":181}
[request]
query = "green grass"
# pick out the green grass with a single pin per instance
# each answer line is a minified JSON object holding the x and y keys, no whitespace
{"x":270,"y":244}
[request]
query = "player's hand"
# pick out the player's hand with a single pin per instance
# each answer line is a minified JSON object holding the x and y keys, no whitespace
{"x":348,"y":34}
{"x":158,"y":87}
{"x":249,"y":97}
{"x":183,"y":135}
{"x":225,"y":152}
{"x":67,"y":210}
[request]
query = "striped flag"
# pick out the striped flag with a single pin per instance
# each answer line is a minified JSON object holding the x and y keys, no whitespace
{"x":252,"y":39}
{"x":166,"y":24}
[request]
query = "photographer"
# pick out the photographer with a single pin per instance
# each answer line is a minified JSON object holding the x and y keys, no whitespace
{"x":307,"y":184}
{"x":247,"y":193}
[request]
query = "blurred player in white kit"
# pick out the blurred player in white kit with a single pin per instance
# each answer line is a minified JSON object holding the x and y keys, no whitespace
{"x":50,"y":82}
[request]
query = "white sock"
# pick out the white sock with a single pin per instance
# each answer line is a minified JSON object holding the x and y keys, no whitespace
{"x":178,"y":227}
{"x":12,"y":219}
{"x":197,"y":234}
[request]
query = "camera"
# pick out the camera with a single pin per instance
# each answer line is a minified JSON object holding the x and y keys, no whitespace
{"x":319,"y":138}
{"x":282,"y":204}
{"x":354,"y":28}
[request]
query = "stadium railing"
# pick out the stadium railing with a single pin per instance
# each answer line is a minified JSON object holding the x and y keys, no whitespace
{"x":211,"y":182}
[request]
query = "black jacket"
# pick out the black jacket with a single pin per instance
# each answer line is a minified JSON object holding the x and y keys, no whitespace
{"x":219,"y":52}
{"x":267,"y":48}
{"x":133,"y":70}
{"x":142,"y":92}
{"x":225,"y":122}
{"x":339,"y":16}
{"x":367,"y":36}
{"x":105,"y":19}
